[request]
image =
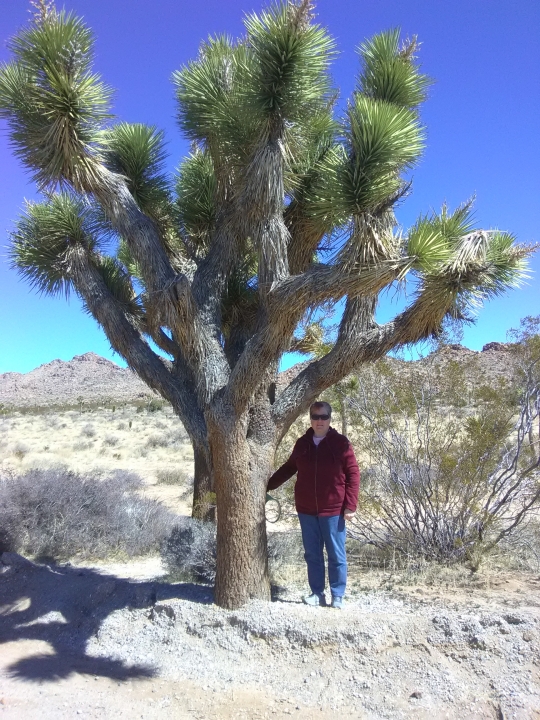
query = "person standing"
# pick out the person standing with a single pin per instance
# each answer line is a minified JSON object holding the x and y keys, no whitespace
{"x":325,"y":494}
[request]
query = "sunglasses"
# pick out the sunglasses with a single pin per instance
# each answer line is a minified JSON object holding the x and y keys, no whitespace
{"x":319,"y":417}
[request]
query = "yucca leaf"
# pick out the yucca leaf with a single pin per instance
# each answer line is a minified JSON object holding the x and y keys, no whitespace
{"x":291,"y":57}
{"x":389,"y":72}
{"x":118,"y":283}
{"x":211,"y":100}
{"x":54,"y":105}
{"x":137,"y":151}
{"x":124,"y":256}
{"x":383,"y":140}
{"x":196,"y":189}
{"x":427,"y":245}
{"x":46,"y":240}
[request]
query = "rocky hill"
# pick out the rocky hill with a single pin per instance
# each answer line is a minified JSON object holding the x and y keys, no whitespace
{"x":87,"y":379}
{"x":91,"y":379}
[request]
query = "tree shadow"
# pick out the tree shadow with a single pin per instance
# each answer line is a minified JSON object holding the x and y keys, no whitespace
{"x":65,"y":607}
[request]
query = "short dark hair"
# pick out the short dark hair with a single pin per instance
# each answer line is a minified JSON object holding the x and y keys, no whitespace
{"x":319,"y":405}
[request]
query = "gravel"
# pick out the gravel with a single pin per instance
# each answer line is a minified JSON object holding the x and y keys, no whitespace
{"x":384,"y":655}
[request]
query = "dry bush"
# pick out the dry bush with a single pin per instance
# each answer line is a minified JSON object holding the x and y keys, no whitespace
{"x":61,"y":514}
{"x":20,"y":450}
{"x":157,"y":441}
{"x":172,"y":476}
{"x":81,"y":446}
{"x":111,"y":440}
{"x":440,"y":487}
{"x":189,"y":553}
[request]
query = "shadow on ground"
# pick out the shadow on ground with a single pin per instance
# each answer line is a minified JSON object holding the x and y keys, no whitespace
{"x":65,"y":607}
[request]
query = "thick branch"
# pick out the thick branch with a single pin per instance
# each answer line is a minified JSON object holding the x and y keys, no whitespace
{"x":353,"y":348}
{"x":170,"y":299}
{"x":126,"y":340}
{"x":289,"y":301}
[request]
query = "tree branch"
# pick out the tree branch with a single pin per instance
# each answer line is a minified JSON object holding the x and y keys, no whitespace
{"x":126,"y":340}
{"x":177,"y":308}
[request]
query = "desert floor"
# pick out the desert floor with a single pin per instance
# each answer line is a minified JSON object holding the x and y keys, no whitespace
{"x":118,"y":639}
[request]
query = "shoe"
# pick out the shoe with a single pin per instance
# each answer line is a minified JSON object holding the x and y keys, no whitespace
{"x":337,"y":602}
{"x":315,"y":600}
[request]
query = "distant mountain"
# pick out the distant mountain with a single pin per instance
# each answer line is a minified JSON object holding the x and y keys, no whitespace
{"x":92,"y":379}
{"x":87,"y":378}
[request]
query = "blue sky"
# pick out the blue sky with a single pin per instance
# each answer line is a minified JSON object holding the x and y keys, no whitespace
{"x":482,"y":118}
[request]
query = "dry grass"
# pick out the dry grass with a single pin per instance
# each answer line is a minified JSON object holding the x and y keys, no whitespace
{"x":81,"y":441}
{"x":148,"y":442}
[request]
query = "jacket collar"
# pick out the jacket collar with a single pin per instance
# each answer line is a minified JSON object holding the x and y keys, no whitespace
{"x":330,"y":434}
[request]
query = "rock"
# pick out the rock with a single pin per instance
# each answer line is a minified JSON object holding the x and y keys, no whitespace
{"x":162,"y":611}
{"x":497,"y":347}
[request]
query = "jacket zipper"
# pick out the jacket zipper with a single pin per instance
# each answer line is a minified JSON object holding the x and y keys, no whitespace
{"x":316,"y":459}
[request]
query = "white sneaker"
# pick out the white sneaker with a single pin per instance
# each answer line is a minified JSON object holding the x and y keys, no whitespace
{"x":315,"y":600}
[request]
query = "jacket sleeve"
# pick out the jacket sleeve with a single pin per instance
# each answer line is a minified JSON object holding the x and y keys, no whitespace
{"x":352,"y":479}
{"x":282,"y":474}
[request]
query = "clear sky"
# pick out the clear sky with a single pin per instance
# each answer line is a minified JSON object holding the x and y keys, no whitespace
{"x":482,"y":118}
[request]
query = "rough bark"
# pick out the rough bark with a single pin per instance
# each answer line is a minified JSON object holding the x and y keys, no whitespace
{"x":240,"y":470}
{"x":203,"y":507}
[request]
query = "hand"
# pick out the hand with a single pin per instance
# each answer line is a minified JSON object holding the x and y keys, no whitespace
{"x":348,"y":515}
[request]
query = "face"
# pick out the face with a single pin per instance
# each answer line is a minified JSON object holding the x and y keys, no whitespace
{"x":320,"y":427}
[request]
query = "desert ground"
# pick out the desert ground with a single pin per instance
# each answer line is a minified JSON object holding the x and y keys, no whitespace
{"x":122,"y":639}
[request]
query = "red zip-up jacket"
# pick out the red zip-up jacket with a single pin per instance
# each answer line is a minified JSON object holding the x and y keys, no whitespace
{"x":328,"y":475}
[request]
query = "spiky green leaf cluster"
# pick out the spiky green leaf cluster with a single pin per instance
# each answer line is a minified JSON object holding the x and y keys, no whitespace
{"x":211,"y":100}
{"x":290,"y":58}
{"x":50,"y":240}
{"x":196,"y":189}
{"x":389,"y":72}
{"x":118,"y":282}
{"x":383,"y":133}
{"x":433,"y":239}
{"x":54,"y":104}
{"x":383,"y":140}
{"x":137,"y":151}
{"x":239,"y":302}
{"x":47,"y":239}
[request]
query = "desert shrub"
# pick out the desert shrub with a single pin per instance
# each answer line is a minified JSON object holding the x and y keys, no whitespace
{"x":189,"y":553}
{"x":155,"y":405}
{"x":521,"y":550}
{"x":20,"y":450}
{"x":155,"y":441}
{"x":178,"y":437}
{"x":61,"y":514}
{"x":111,"y":440}
{"x":121,"y":426}
{"x":171,"y":476}
{"x":439,"y":486}
{"x":285,"y":549}
{"x":80,"y":446}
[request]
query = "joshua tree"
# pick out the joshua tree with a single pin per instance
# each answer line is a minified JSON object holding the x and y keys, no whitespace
{"x":280,"y":209}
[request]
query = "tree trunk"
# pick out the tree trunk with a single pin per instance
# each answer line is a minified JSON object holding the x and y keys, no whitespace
{"x":241,"y":471}
{"x":204,"y":498}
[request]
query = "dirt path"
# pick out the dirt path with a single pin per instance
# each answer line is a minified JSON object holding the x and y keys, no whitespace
{"x":84,"y":642}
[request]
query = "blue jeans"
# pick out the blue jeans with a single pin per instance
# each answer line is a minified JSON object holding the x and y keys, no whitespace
{"x":317,"y":532}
